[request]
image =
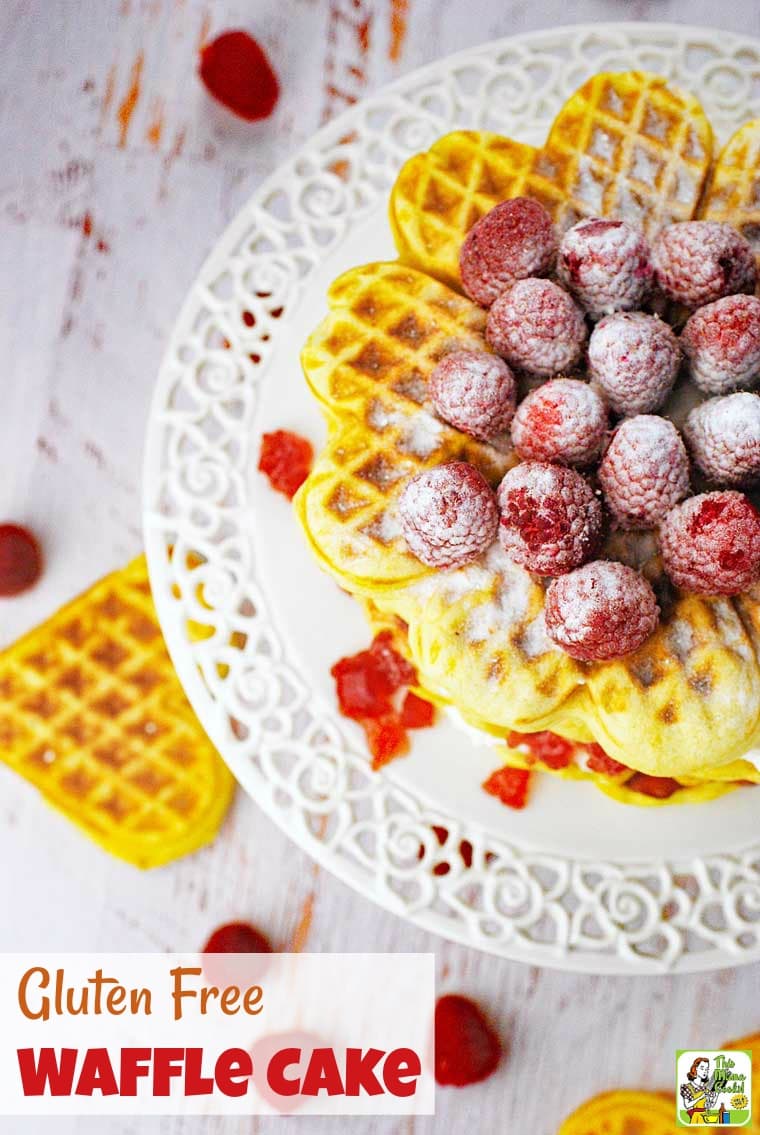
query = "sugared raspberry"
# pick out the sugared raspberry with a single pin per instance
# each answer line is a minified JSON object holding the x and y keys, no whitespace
{"x":603,"y":610}
{"x":550,"y":518}
{"x":722,"y":344}
{"x":645,"y":471}
{"x":474,"y":391}
{"x":711,"y":544}
{"x":697,"y":262}
{"x":516,"y":239}
{"x":448,"y":515}
{"x":564,"y":420}
{"x":634,"y":358}
{"x":606,"y":265}
{"x":537,"y":327}
{"x":724,"y":438}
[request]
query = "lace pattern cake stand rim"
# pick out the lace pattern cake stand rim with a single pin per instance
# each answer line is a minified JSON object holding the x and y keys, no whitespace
{"x":627,"y":901}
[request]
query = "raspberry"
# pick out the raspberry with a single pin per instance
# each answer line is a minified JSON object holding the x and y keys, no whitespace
{"x":448,"y":515}
{"x":474,"y":391}
{"x":563,"y":420}
{"x":510,"y":786}
{"x":634,"y":358}
{"x":723,"y":436}
{"x":236,"y":72}
{"x":467,"y":1049}
{"x":722,"y":344}
{"x":286,"y":460}
{"x":516,"y":239}
{"x":537,"y":327}
{"x":550,"y":519}
{"x":605,"y":264}
{"x":237,"y":938}
{"x":645,"y":471}
{"x":601,"y":611}
{"x":697,"y":262}
{"x":20,"y":560}
{"x":711,"y":544}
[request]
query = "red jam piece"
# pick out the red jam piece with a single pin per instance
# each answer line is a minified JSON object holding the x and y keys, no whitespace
{"x":237,"y":938}
{"x":658,"y":787}
{"x":286,"y":459}
{"x":222,"y":965}
{"x":362,"y":685}
{"x":20,"y":560}
{"x":416,"y":713}
{"x":510,"y":786}
{"x":236,"y":72}
{"x":399,"y":672}
{"x":467,"y":1049}
{"x":387,"y":738}
{"x":598,"y":761}
{"x":553,"y":751}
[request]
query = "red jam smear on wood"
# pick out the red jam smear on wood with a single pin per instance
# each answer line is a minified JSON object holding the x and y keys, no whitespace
{"x":367,"y":685}
{"x":235,"y":70}
{"x":286,"y":459}
{"x":510,"y":786}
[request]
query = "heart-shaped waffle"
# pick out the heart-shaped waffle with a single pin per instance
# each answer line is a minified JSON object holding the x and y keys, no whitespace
{"x":624,"y":145}
{"x":689,"y":699}
{"x":733,"y":194}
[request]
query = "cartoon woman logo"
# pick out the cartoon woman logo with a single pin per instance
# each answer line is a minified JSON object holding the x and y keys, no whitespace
{"x":697,"y":1094}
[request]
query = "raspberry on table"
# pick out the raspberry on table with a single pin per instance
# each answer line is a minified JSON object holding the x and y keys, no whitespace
{"x":723,"y":436}
{"x":601,"y":611}
{"x":537,"y":327}
{"x":474,"y":391}
{"x":606,"y":265}
{"x":20,"y":560}
{"x":634,"y":359}
{"x":448,"y":515}
{"x":551,"y":520}
{"x":645,"y":471}
{"x":711,"y":544}
{"x":564,"y":420}
{"x":697,"y":262}
{"x":722,"y":344}
{"x":515,"y":239}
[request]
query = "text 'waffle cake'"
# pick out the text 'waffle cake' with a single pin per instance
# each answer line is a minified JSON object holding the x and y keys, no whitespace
{"x":686,"y":704}
{"x":93,"y":715}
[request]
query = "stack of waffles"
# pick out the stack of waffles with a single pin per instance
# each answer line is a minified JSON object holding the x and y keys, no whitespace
{"x":686,"y":705}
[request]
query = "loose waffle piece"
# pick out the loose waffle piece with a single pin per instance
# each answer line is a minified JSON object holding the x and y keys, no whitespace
{"x":93,"y":715}
{"x":623,"y":1113}
{"x":733,"y":194}
{"x":624,"y":145}
{"x":368,"y":364}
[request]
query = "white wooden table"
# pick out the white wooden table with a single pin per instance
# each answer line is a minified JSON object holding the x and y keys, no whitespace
{"x":116,"y":176}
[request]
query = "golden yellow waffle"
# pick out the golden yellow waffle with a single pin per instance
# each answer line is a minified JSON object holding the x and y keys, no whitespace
{"x":93,"y":715}
{"x":368,"y":364}
{"x":623,"y":145}
{"x":733,"y":194}
{"x":623,"y":1113}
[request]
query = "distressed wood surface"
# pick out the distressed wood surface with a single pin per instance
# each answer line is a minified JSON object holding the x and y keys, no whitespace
{"x":117,"y":175}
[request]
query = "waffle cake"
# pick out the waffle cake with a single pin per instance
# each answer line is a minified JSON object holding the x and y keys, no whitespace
{"x":685,"y":705}
{"x":624,"y":145}
{"x":93,"y":715}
